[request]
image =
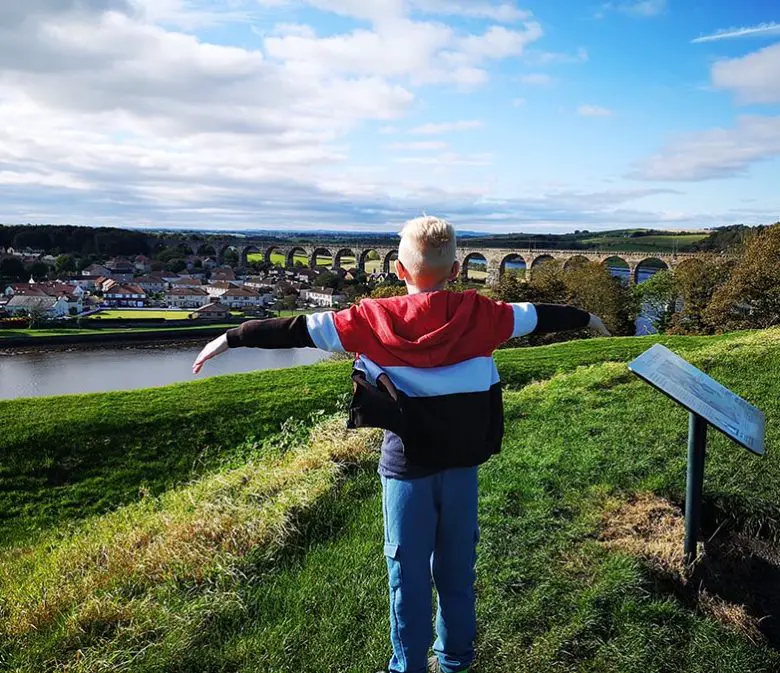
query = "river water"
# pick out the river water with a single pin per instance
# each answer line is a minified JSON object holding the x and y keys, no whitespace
{"x":58,"y":372}
{"x":51,"y":372}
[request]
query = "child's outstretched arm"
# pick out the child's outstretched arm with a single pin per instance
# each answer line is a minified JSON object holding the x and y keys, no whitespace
{"x":312,"y":331}
{"x":545,"y":318}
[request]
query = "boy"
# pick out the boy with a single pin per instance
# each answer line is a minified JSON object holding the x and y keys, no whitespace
{"x":424,"y":372}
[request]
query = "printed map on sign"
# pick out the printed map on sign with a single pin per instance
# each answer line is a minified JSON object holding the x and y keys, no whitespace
{"x":702,"y":395}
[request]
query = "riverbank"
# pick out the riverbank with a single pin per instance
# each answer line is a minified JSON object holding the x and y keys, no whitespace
{"x":214,"y":525}
{"x":16,"y":340}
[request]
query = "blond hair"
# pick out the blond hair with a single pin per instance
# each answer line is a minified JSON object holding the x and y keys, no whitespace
{"x":427,"y":243}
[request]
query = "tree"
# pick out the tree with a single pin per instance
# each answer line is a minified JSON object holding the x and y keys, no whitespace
{"x":37,"y":270}
{"x":176,"y":265}
{"x":35,"y":316}
{"x":696,"y":281}
{"x":290,"y":302}
{"x":65,"y":264}
{"x":328,"y":279}
{"x":12,"y":270}
{"x":593,"y":288}
{"x":660,"y":297}
{"x":388,"y":290}
{"x":750,"y":296}
{"x":231,"y":258}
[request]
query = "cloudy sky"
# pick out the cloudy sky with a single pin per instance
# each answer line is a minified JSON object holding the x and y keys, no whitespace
{"x":358,"y":114}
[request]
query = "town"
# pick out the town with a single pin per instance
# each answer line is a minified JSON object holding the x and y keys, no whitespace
{"x":202,"y":289}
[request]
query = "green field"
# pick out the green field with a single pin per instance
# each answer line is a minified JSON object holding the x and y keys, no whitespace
{"x":124,"y":330}
{"x":141,"y":315}
{"x":660,"y":243}
{"x":194,"y":528}
{"x":346,"y":262}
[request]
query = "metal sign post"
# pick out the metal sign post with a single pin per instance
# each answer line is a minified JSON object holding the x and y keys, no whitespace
{"x":697,"y":448}
{"x":708,"y":403}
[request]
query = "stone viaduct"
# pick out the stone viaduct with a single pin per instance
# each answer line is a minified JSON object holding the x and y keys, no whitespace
{"x":494,"y":261}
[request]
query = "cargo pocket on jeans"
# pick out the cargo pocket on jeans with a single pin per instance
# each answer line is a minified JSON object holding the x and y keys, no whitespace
{"x":393,"y":564}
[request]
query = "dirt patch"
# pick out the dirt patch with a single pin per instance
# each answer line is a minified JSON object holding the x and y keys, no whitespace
{"x":735,"y":580}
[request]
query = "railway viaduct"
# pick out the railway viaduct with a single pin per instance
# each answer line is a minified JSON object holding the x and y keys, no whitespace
{"x":495,"y":261}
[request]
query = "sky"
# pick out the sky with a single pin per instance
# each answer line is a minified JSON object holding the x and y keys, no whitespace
{"x":543,"y":116}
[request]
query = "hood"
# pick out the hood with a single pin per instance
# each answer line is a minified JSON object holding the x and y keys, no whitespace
{"x":430,"y":329}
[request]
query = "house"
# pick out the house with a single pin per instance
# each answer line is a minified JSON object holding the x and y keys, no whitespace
{"x":210,"y":263}
{"x":213,"y":311}
{"x":241,"y":298}
{"x":187,"y":280}
{"x":187,"y":297}
{"x":142,"y":263}
{"x":150,"y":284}
{"x":218,"y":288}
{"x":72,"y":294}
{"x":323,"y":296}
{"x":97,"y":270}
{"x":223,"y":273}
{"x":125,"y":295}
{"x":259,"y":285}
{"x":303,"y":275}
{"x":51,"y":307}
{"x":170,"y":276}
{"x":84,"y":282}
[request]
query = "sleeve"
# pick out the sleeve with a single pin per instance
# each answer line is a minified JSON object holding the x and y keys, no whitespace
{"x":273,"y":333}
{"x":544,"y":318}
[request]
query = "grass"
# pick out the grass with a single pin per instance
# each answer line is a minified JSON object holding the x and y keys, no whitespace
{"x":142,"y":315}
{"x":279,"y":259}
{"x":659,"y":243}
{"x":238,"y":564}
{"x":124,"y":330}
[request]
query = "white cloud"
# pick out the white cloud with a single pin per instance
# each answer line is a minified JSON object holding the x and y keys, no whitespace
{"x":718,"y":153}
{"x":761,"y":30}
{"x":594,"y":111}
{"x":449,"y":159}
{"x":542,"y":58}
{"x":537,"y":79}
{"x":447,"y":127}
{"x":505,"y":12}
{"x":754,"y":78}
{"x":518,"y":102}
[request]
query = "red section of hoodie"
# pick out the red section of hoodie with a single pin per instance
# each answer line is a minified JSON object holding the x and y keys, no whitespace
{"x":429,"y":329}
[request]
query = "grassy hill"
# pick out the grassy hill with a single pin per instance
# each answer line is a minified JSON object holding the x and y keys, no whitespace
{"x":231,"y":524}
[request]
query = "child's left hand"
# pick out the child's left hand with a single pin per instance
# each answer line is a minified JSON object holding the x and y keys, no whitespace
{"x":214,"y":348}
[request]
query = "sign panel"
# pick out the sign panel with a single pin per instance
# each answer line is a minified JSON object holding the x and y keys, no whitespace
{"x":702,"y":395}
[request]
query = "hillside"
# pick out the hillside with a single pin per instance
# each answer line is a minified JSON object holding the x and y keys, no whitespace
{"x":180,"y":529}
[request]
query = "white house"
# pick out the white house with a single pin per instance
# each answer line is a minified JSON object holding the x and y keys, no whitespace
{"x":150,"y":284}
{"x":125,"y":295}
{"x":322,"y":296}
{"x":187,"y":297}
{"x":52,"y":307}
{"x":241,"y":298}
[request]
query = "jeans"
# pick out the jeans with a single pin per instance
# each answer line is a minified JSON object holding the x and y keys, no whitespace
{"x":431,"y":533}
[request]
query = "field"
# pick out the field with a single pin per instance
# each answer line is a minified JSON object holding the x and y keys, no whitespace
{"x":278,"y":259}
{"x":142,"y":315}
{"x":38,"y":333}
{"x":660,"y":243}
{"x":199,"y":528}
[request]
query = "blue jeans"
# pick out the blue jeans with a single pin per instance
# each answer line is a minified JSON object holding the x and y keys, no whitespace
{"x":431,"y":532}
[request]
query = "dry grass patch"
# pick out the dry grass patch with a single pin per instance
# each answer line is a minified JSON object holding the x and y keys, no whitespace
{"x":652,"y":529}
{"x":185,"y":535}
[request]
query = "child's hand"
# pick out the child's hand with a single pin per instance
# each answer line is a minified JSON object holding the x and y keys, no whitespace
{"x":597,"y":326}
{"x":214,"y":348}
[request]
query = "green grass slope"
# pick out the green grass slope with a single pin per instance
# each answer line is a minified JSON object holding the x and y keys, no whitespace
{"x":268,"y":556}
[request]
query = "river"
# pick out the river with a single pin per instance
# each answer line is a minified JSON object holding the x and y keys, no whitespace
{"x":52,"y":372}
{"x":58,"y":372}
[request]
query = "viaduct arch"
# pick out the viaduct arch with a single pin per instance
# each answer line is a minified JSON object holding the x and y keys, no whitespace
{"x":497,"y":261}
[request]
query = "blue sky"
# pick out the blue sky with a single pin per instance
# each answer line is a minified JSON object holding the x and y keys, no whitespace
{"x":359,"y":114}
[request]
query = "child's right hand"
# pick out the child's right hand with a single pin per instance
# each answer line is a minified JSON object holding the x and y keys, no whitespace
{"x":214,"y":348}
{"x":596,"y":325}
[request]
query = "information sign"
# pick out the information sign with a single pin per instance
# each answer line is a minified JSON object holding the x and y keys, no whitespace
{"x":702,"y":395}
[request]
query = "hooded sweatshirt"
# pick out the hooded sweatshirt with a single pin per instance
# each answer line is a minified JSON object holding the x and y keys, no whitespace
{"x":423,"y":371}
